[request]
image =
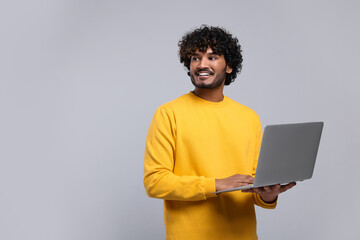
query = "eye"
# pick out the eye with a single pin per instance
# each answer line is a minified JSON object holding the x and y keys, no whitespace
{"x":194,"y":58}
{"x":212,"y":58}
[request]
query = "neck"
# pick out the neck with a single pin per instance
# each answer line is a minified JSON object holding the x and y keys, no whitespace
{"x":212,"y":95}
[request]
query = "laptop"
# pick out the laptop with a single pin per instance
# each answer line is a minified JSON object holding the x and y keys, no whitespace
{"x":288,"y":153}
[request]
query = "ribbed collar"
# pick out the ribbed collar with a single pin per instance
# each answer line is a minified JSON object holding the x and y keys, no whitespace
{"x":204,"y":102}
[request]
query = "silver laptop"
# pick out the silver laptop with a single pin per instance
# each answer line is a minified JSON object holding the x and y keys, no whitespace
{"x":288,"y":153}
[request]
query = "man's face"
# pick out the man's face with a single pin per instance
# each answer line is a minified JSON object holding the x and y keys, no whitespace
{"x":208,"y":70}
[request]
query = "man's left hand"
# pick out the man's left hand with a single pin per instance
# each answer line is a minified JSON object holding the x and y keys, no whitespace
{"x":270,"y":193}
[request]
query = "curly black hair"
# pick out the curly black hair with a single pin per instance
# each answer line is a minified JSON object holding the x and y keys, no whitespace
{"x":219,"y":40}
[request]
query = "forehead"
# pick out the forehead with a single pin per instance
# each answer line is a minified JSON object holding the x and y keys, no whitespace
{"x":208,"y":51}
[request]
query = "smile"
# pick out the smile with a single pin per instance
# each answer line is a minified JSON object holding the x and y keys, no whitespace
{"x":204,"y":73}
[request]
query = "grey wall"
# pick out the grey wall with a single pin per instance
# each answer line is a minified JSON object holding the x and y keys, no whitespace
{"x":80,"y":81}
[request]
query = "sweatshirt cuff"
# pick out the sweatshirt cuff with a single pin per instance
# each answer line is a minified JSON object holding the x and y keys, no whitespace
{"x":264,"y":204}
{"x":209,"y":187}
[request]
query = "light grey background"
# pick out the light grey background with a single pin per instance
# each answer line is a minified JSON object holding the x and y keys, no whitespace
{"x":80,"y":81}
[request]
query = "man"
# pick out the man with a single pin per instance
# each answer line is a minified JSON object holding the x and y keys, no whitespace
{"x":203,"y":142}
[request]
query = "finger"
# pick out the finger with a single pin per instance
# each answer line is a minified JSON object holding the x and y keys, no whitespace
{"x":242,"y":176}
{"x":272,"y":187}
{"x":258,"y":190}
{"x":287,"y":187}
{"x":246,"y":178}
{"x":276,"y":187}
{"x":243,"y":183}
{"x":290,"y":185}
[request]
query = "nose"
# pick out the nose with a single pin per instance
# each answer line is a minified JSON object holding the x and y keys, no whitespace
{"x":203,"y":63}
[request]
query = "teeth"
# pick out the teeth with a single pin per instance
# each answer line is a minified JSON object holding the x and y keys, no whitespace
{"x":203,"y":74}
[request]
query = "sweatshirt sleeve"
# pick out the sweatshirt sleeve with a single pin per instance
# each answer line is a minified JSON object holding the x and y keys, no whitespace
{"x":159,"y":179}
{"x":257,"y":199}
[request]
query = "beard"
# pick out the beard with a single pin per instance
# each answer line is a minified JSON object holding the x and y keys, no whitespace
{"x":218,"y":80}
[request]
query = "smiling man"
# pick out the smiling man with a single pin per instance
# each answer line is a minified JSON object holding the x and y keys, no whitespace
{"x":204,"y":142}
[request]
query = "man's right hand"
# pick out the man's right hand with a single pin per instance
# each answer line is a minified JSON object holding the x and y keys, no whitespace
{"x":233,"y":181}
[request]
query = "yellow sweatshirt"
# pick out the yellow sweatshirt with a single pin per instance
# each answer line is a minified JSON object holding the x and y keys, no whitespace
{"x":191,"y":142}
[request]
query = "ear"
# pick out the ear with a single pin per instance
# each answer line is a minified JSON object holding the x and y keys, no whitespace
{"x":228,"y":69}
